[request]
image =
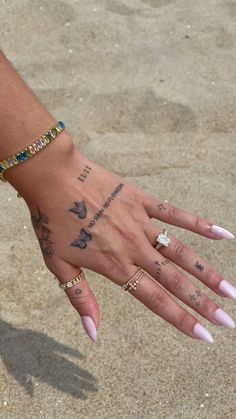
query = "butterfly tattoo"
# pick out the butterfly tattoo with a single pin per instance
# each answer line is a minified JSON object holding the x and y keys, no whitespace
{"x":79,"y":209}
{"x":84,"y":237}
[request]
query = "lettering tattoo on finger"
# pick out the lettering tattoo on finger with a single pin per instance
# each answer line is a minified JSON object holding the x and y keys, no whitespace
{"x":39,"y":220}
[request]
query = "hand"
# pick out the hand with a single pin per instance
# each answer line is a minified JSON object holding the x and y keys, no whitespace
{"x":87,"y":217}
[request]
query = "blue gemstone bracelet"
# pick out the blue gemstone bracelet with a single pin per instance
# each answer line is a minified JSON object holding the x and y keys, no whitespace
{"x":32,"y":149}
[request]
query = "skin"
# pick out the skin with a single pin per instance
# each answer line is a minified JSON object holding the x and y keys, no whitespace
{"x":85,"y":216}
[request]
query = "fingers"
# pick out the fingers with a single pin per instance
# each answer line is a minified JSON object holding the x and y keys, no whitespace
{"x":161,"y":303}
{"x":188,"y":260}
{"x":180,"y":218}
{"x":80,"y":296}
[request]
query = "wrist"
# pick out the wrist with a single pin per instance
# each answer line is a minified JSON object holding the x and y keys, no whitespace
{"x":43,"y":168}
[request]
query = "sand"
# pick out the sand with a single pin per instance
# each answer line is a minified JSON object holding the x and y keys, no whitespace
{"x":147,"y":89}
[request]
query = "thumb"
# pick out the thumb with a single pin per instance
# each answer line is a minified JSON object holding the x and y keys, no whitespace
{"x":80,"y":295}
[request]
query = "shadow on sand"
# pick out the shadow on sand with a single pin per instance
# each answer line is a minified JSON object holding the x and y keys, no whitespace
{"x":27,"y":353}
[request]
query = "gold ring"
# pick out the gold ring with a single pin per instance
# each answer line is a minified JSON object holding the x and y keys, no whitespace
{"x":72,"y":282}
{"x":133,"y":285}
{"x":162,"y":240}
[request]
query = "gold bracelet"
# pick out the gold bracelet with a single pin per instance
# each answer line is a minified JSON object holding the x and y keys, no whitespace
{"x":32,"y":149}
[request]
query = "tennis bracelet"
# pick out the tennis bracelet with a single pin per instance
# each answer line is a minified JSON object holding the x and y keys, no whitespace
{"x":32,"y":149}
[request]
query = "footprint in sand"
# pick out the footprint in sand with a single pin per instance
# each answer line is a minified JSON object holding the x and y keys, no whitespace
{"x":156,"y":3}
{"x":120,"y":8}
{"x":134,"y":111}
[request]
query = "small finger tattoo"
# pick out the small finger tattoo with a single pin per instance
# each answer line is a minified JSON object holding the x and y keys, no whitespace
{"x":83,"y":238}
{"x":161,"y":207}
{"x":199,"y":266}
{"x":158,"y":266}
{"x":196,"y":297}
{"x":79,"y":209}
{"x":78,"y":291}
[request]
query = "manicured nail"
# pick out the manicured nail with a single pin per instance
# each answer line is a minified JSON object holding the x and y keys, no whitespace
{"x":222,"y":233}
{"x":201,"y":333}
{"x":89,"y":327}
{"x":227,"y":289}
{"x":224,"y":319}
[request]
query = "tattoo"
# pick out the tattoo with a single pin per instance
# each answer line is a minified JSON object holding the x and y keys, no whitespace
{"x":161,"y":207}
{"x":106,"y":204}
{"x":194,"y":297}
{"x":83,"y":238}
{"x":38,"y":222}
{"x":199,"y":266}
{"x":79,"y":209}
{"x":158,"y":267}
{"x":78,"y":291}
{"x":85,"y":173}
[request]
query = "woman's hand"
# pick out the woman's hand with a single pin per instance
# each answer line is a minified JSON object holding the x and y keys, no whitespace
{"x":87,"y":217}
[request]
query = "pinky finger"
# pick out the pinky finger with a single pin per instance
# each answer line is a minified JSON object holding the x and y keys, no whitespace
{"x":161,"y":303}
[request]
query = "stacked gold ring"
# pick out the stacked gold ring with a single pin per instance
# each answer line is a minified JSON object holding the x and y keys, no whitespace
{"x":72,"y":282}
{"x":136,"y":278}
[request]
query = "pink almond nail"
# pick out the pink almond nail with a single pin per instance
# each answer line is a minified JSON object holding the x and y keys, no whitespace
{"x":227,"y":289}
{"x":89,"y":327}
{"x":222,"y":232}
{"x":201,"y":333}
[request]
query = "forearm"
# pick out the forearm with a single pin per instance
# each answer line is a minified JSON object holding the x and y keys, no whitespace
{"x":23,"y":120}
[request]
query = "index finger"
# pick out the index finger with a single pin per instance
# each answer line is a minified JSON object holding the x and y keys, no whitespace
{"x":180,"y":218}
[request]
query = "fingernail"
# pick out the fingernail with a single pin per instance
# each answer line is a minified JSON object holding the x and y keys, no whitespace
{"x":201,"y":333}
{"x":222,"y":232}
{"x":227,"y":289}
{"x":89,"y":327}
{"x":224,"y":319}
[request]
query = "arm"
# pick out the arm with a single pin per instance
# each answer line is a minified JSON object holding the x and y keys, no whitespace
{"x":24,"y":119}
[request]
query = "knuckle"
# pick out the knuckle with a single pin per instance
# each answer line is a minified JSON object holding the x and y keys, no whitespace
{"x":174,"y":213}
{"x":157,"y":300}
{"x":179,"y":250}
{"x":211,"y":275}
{"x":176,"y":280}
{"x":131,"y":238}
{"x":207,"y":306}
{"x":185,"y":321}
{"x":197,"y":221}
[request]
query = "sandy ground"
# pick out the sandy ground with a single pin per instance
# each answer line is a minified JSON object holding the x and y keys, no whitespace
{"x":147,"y":88}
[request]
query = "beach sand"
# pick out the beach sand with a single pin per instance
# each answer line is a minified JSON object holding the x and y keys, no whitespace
{"x":147,"y":89}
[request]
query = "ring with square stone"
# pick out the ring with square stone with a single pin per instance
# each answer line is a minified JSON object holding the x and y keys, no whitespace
{"x":162,"y":240}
